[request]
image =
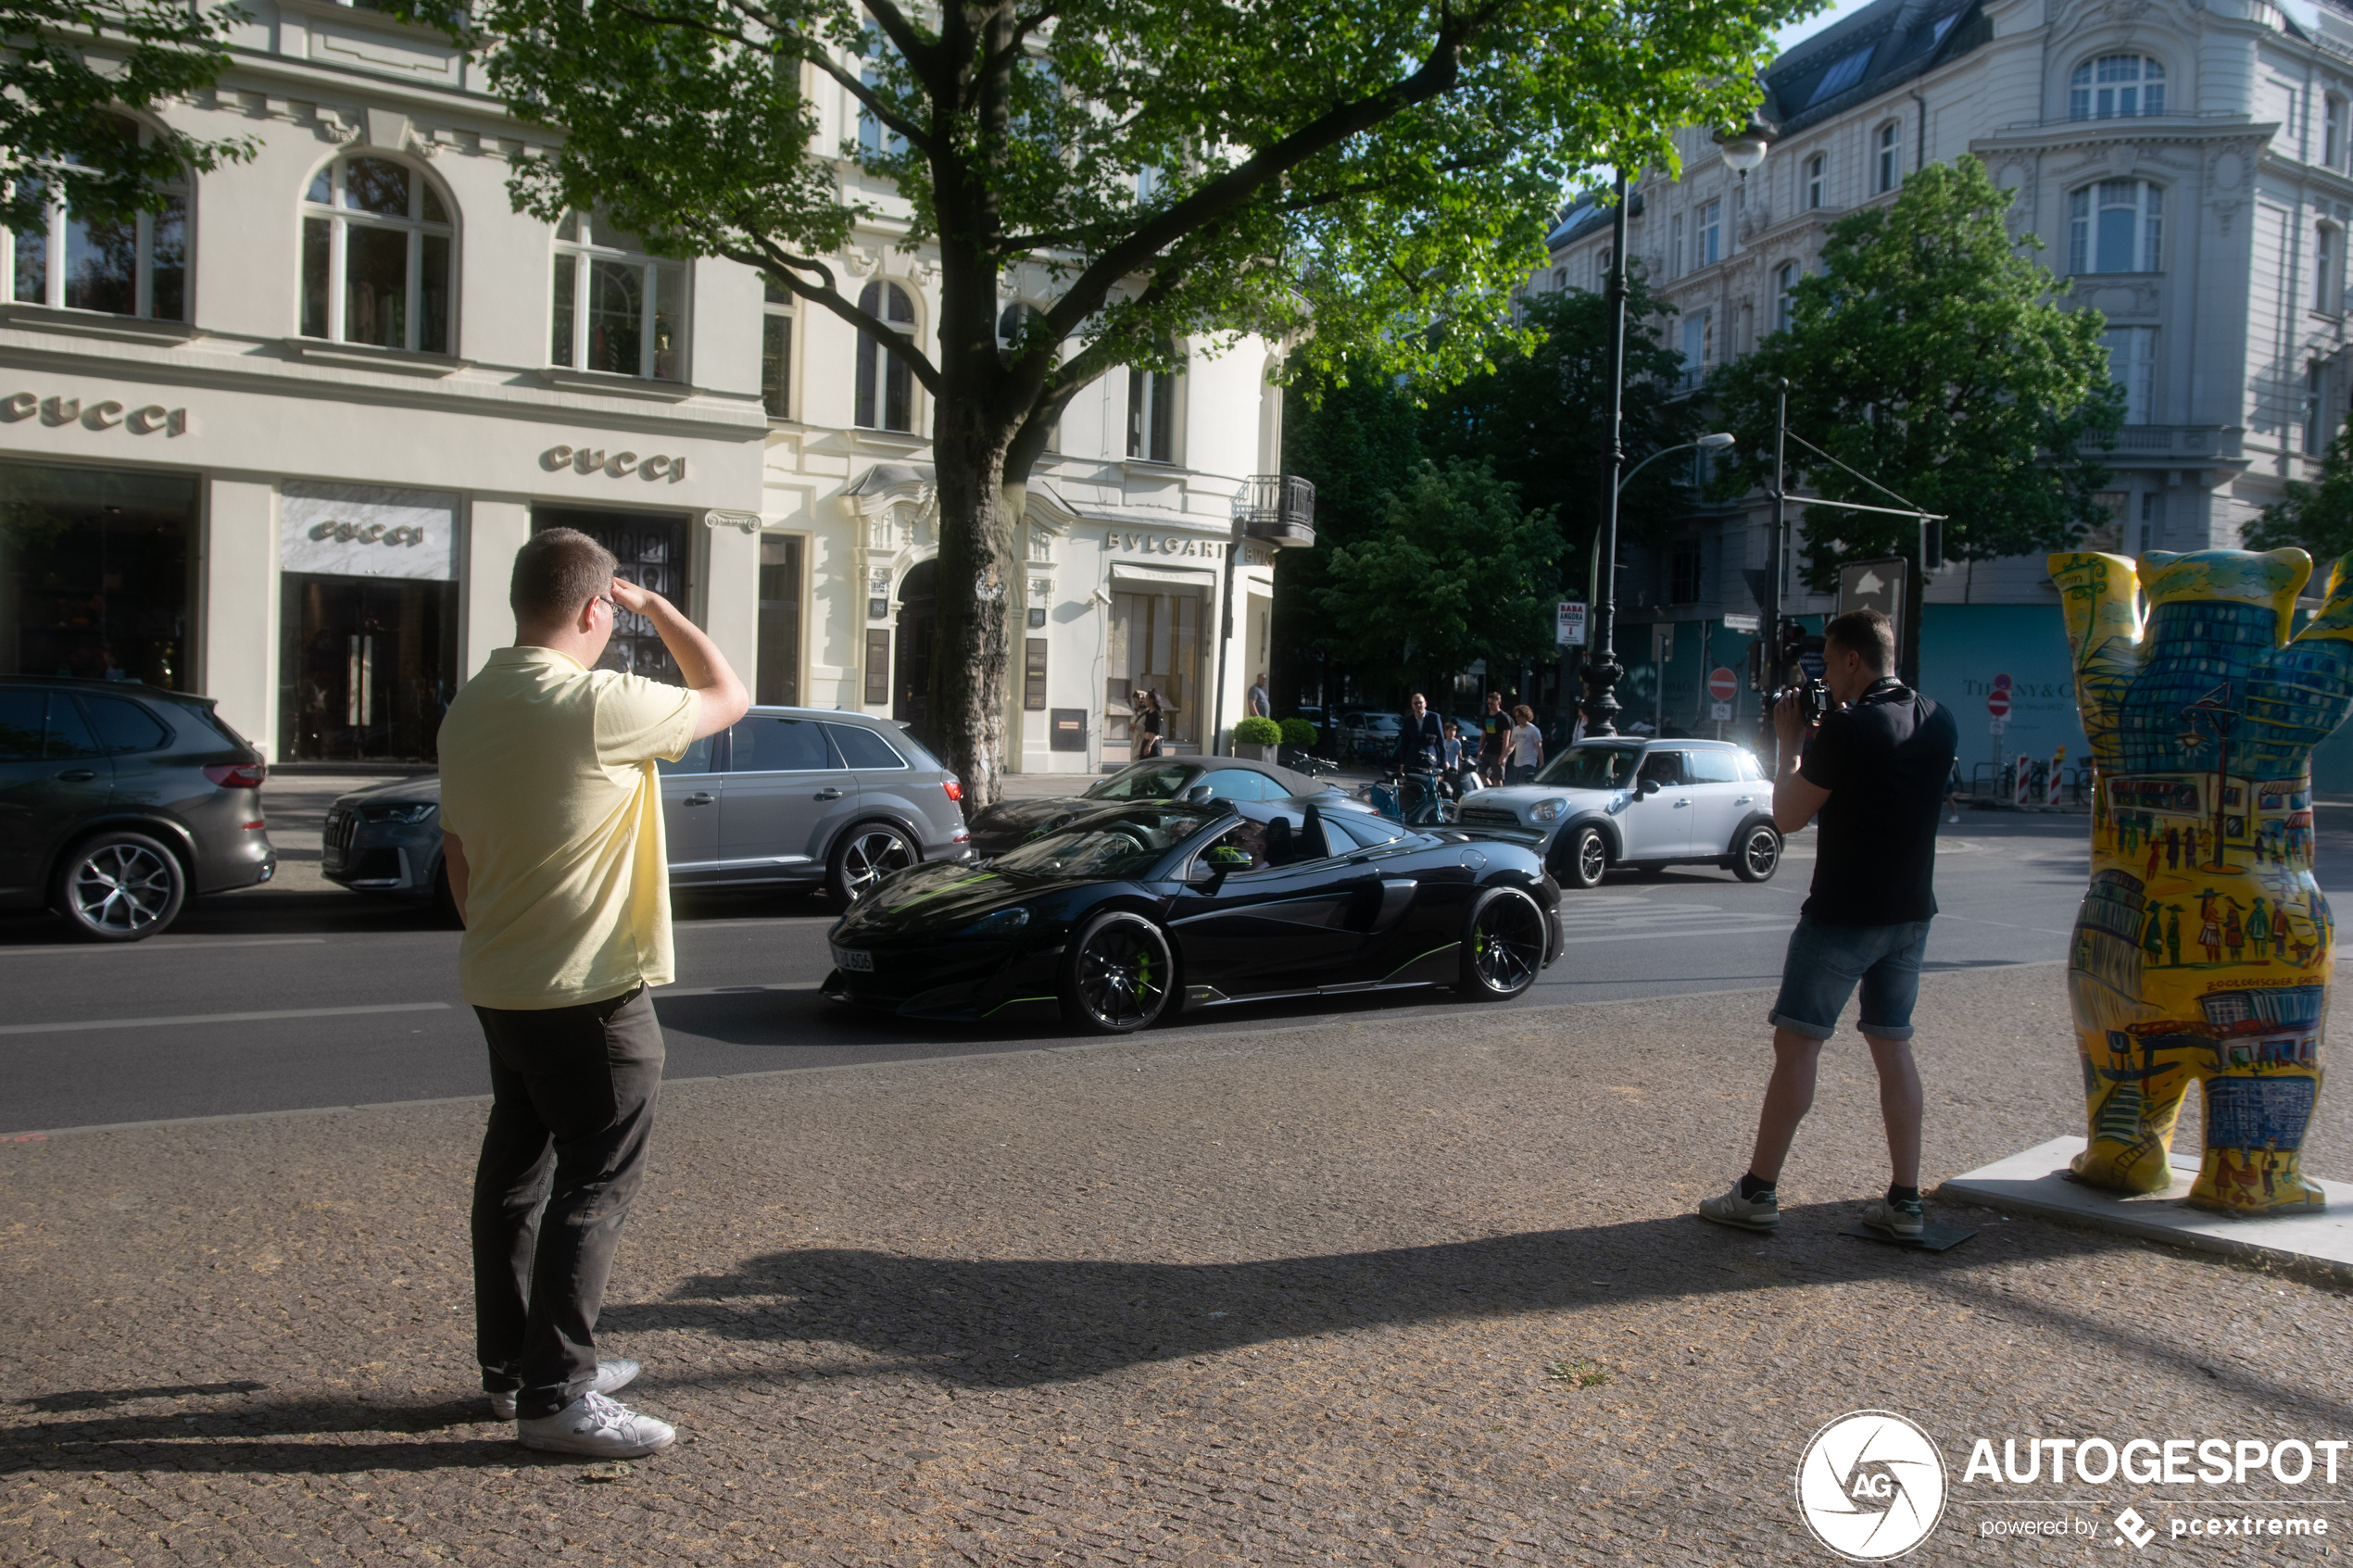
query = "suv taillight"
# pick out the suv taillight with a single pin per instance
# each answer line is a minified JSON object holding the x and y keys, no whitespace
{"x":237,"y":775}
{"x":954,"y":787}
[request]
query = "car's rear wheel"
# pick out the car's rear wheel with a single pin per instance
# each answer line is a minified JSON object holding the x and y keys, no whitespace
{"x":1503,"y":948}
{"x":1586,"y":859}
{"x":866,"y":854}
{"x":1758,"y":854}
{"x":1118,"y":976}
{"x":120,"y":887}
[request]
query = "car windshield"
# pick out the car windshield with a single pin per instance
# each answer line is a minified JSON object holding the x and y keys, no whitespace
{"x":1380,"y":721}
{"x":1109,"y":845}
{"x":1590,"y":767}
{"x":1145,"y":780}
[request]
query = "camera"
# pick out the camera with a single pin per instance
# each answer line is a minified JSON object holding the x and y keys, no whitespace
{"x":1814,"y":701}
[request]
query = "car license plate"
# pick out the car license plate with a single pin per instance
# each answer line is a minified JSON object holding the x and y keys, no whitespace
{"x":851,"y":957}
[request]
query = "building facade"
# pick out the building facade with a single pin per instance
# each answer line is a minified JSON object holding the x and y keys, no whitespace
{"x":2186,"y":167}
{"x":279,"y":443}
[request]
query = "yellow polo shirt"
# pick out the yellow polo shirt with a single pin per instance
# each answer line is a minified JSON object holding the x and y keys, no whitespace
{"x":548,"y":780}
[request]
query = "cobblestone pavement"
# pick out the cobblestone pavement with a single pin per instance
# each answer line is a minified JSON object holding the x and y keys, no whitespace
{"x":1361,"y":1293}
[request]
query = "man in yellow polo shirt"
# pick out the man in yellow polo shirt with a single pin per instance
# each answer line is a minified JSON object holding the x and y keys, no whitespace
{"x":552,"y":827}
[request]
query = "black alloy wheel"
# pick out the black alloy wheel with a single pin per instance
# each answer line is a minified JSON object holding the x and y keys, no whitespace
{"x":1504,"y":947}
{"x":1118,"y":976}
{"x":866,"y":854}
{"x":1586,"y":858}
{"x":1759,"y":853}
{"x":120,"y":887}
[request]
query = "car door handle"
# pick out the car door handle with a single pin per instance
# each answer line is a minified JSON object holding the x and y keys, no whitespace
{"x":828,"y":794}
{"x":1745,"y":801}
{"x":1680,"y":804}
{"x":700,"y":799}
{"x":78,"y":775}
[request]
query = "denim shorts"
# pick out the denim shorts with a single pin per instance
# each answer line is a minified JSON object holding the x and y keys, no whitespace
{"x":1825,"y":963}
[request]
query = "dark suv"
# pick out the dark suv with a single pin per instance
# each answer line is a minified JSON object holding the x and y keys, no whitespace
{"x":118,"y":801}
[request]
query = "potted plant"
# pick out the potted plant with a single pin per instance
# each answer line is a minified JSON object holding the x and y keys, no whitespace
{"x":1256,"y":738}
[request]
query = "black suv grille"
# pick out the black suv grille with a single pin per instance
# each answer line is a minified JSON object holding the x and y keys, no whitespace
{"x":1489,"y":816}
{"x":341,"y":828}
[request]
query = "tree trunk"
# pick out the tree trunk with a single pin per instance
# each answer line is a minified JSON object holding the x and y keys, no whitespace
{"x":979,"y":585}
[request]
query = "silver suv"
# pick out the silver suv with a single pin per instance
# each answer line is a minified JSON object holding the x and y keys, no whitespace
{"x":785,"y":797}
{"x":1647,"y":804}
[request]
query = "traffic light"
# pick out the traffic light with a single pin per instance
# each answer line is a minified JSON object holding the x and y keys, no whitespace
{"x":1757,"y":665}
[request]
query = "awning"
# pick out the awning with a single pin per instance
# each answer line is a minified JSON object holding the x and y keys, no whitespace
{"x":1201,"y":577}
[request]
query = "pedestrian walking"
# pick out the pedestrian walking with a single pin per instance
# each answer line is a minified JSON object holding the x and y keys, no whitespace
{"x":1872,"y":770}
{"x":552,"y":832}
{"x":1148,"y":724}
{"x":1494,"y":733}
{"x":1258,"y":705}
{"x":1526,"y":741}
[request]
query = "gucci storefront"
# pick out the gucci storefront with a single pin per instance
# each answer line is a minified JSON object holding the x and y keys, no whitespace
{"x":98,"y":572}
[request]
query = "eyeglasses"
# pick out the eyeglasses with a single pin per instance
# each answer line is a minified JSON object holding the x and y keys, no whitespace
{"x":611,"y":608}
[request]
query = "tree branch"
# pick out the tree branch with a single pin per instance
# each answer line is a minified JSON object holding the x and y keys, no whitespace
{"x":784,"y":267}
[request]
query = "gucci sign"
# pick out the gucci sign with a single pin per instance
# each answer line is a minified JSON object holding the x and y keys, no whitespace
{"x":105,"y":414}
{"x":619,"y":464}
{"x":368,"y":533}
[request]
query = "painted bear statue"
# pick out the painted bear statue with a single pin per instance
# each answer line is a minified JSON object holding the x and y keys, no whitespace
{"x":2202,"y":954}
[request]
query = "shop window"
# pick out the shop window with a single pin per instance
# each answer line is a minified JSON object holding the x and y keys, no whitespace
{"x":618,"y":311}
{"x":778,"y":682}
{"x":775,"y":350}
{"x":135,"y":266}
{"x":2116,"y":226}
{"x":96,"y":575}
{"x":1033,"y":675}
{"x":649,"y":550}
{"x":1152,"y":413}
{"x":377,"y":238}
{"x":1154,"y":644}
{"x":369,"y":668}
{"x":2116,"y":86}
{"x":885,"y":381}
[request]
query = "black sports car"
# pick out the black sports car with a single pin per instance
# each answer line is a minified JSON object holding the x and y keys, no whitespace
{"x":1008,"y":822}
{"x":1127,"y":912}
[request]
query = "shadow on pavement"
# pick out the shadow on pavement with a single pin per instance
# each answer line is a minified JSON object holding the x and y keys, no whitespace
{"x":238,"y":1437}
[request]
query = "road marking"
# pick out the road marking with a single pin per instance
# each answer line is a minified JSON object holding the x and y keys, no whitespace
{"x":62,"y":948}
{"x":218,"y":1018}
{"x":666,"y":992}
{"x":1679,"y":931}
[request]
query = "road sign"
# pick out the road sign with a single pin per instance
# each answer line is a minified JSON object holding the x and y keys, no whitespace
{"x":1997,"y":703}
{"x":1721,"y":712}
{"x":1722,"y":684}
{"x":1875,"y":585}
{"x":1997,"y":726}
{"x":1663,"y":642}
{"x":1569,"y":623}
{"x":2001,"y":683}
{"x":1741,"y":623}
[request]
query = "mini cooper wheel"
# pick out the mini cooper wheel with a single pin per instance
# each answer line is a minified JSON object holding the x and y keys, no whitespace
{"x":1586,"y":859}
{"x":120,"y":887}
{"x":1503,"y":948}
{"x":1758,"y":854}
{"x":866,"y":854}
{"x":1117,"y":975}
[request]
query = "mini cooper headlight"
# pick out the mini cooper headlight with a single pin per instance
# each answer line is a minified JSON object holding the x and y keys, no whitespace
{"x":1004,"y":922}
{"x":1545,"y":810}
{"x":420,"y":812}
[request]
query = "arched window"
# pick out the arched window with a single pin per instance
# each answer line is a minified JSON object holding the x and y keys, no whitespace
{"x":135,"y":266}
{"x":1816,"y":170}
{"x":1890,"y":154}
{"x":2116,"y":226}
{"x":618,"y":311}
{"x":2116,"y":86}
{"x":376,"y":241}
{"x":885,"y":383}
{"x":1785,"y":277}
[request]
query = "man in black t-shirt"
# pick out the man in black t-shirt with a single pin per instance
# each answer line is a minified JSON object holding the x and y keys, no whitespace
{"x":1494,"y":733}
{"x":1874,"y":772}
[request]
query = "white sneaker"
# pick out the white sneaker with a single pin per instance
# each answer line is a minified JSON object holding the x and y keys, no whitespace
{"x":1956,"y":817}
{"x":1896,"y":1217}
{"x":597,"y":1427}
{"x":611,"y":1378}
{"x":1762,"y":1212}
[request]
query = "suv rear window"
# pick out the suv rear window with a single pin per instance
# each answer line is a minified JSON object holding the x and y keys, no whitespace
{"x":863,"y":748}
{"x":21,"y":724}
{"x":123,"y":725}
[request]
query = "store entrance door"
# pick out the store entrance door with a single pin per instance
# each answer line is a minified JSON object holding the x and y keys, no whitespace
{"x":910,"y":681}
{"x":372,"y":663}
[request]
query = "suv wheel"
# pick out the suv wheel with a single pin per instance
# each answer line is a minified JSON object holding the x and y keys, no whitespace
{"x":1760,"y":855}
{"x":866,"y":854}
{"x":1586,"y":858}
{"x":120,"y":887}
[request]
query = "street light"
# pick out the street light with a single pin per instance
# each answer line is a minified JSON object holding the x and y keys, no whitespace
{"x":1744,"y":149}
{"x":1713,"y":442}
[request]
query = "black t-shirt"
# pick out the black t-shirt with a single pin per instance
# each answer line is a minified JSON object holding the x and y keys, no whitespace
{"x":1493,"y":729}
{"x":1884,"y":759}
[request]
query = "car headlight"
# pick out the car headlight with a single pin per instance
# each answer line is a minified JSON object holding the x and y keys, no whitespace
{"x":1545,"y":810}
{"x":1004,"y":922}
{"x":421,"y":812}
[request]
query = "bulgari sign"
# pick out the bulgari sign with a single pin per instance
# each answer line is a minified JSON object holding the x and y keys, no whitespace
{"x":1119,"y":542}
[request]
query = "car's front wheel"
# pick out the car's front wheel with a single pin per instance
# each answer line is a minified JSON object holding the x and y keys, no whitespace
{"x":1758,"y":854}
{"x":1505,"y":946}
{"x":1118,"y":976}
{"x":866,"y":854}
{"x":120,"y":887}
{"x":1586,"y":859}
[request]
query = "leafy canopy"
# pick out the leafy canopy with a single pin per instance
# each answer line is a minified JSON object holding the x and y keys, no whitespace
{"x":1928,"y":356}
{"x":2317,"y":519}
{"x":58,"y":135}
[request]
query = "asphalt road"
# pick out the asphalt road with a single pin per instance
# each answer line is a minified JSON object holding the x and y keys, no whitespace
{"x":302,"y":995}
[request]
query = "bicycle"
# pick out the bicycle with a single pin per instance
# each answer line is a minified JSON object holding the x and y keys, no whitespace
{"x":1431,"y":808}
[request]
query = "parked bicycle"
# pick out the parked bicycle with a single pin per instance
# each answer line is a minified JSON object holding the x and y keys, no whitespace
{"x":1424,"y":804}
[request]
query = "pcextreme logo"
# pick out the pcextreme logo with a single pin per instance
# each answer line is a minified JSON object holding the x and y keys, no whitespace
{"x":1870,"y":1486}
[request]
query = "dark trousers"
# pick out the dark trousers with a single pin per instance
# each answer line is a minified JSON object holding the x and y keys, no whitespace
{"x":573,"y":1093}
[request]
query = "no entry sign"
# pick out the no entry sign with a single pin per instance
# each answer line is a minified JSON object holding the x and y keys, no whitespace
{"x":1997,"y":703}
{"x":1722,"y":684}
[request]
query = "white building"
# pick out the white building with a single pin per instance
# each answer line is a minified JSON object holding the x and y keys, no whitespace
{"x":2186,"y":165}
{"x":280,"y":444}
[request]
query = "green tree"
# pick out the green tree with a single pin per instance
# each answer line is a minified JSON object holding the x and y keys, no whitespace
{"x":2317,"y":519}
{"x":1455,"y":569}
{"x":1929,"y":354}
{"x":66,"y":65}
{"x":1376,"y":170}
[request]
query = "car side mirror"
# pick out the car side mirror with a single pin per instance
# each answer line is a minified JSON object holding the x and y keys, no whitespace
{"x":1199,"y":793}
{"x":1650,"y":786}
